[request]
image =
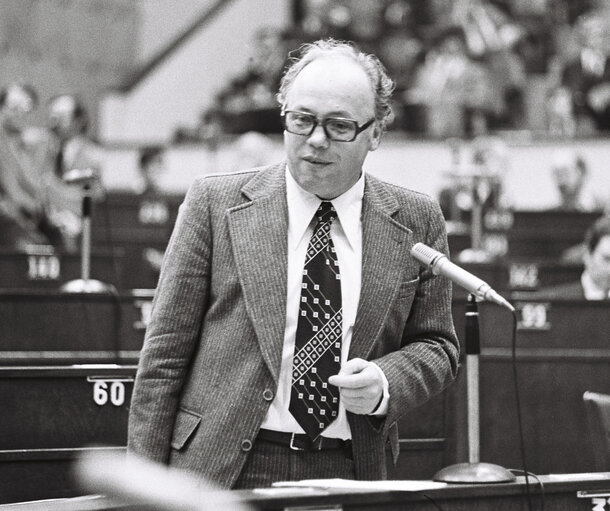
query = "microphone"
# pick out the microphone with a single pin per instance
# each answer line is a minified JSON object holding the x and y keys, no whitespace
{"x":441,"y":265}
{"x":79,"y":176}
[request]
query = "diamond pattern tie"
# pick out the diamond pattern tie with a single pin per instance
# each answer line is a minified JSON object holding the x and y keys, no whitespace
{"x":317,"y":351}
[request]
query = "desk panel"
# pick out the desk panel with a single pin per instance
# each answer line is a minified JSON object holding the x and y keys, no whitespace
{"x":562,"y":351}
{"x":64,"y":407}
{"x":141,"y":226}
{"x":49,"y":414}
{"x":47,"y":327}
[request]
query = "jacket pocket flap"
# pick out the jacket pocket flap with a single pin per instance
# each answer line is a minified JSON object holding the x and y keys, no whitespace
{"x":185,"y":426}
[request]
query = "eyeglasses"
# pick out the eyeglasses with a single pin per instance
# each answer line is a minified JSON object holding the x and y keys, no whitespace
{"x":335,"y":128}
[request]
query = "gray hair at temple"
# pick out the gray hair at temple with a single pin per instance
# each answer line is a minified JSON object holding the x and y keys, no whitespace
{"x":382,"y":84}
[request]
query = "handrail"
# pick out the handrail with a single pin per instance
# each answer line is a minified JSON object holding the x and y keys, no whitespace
{"x":137,"y":76}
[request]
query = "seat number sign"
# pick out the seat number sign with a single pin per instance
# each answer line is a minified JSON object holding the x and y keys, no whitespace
{"x":109,"y":390}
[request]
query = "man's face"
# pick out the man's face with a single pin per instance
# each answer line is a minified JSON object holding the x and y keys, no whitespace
{"x":597,"y":263}
{"x":18,"y":104}
{"x":330,"y":87}
{"x":569,"y":178}
{"x":61,"y":116}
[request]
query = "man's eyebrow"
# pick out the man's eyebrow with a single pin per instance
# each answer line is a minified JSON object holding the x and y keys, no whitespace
{"x":335,"y":114}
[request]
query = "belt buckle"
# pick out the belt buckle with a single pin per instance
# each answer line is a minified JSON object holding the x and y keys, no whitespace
{"x":292,"y":446}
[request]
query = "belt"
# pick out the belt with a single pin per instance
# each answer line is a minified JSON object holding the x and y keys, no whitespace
{"x":302,"y":442}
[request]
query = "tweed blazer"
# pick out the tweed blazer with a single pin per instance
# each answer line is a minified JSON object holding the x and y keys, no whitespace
{"x":211,"y":358}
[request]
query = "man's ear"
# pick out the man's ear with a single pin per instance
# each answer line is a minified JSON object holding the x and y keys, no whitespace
{"x":376,"y":137}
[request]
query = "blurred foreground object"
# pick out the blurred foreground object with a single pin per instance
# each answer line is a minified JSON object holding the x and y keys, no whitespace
{"x":137,"y":481}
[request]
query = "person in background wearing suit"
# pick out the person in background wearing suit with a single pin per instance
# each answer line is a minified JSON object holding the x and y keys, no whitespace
{"x":291,"y":328}
{"x":594,"y":283}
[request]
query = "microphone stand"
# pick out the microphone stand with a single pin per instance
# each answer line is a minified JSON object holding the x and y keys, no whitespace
{"x":86,"y":284}
{"x":474,"y":471}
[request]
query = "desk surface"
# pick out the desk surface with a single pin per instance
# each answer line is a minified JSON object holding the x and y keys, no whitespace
{"x":560,"y":493}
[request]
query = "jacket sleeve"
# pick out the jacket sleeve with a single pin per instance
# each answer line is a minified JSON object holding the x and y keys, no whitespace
{"x":428,"y":358}
{"x":172,"y":335}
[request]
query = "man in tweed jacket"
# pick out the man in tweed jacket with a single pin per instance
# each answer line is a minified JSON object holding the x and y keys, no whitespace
{"x":212,"y":392}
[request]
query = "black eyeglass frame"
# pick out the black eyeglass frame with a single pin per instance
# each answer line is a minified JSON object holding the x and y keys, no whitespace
{"x":323,"y":123}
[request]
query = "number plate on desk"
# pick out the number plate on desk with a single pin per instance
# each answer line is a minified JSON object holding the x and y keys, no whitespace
{"x":533,"y":315}
{"x":153,"y":213}
{"x":600,"y":500}
{"x":523,"y":276}
{"x":109,"y":390}
{"x":43,"y":267}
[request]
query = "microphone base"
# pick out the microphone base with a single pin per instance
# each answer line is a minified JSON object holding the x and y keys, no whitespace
{"x":88,"y":286}
{"x":473,"y":473}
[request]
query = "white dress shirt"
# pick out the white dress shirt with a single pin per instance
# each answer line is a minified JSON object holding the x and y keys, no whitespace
{"x":591,"y":290}
{"x":346,"y":233}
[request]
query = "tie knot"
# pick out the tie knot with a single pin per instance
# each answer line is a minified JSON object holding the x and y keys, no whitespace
{"x":326,"y":212}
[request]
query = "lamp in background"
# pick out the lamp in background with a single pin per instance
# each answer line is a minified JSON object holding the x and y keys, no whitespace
{"x":84,"y":178}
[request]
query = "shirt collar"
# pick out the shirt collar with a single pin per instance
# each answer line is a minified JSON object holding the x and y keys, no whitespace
{"x":302,"y":205}
{"x":591,"y":290}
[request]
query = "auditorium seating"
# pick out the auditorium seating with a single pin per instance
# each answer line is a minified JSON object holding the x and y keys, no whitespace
{"x":67,"y":364}
{"x":67,"y":361}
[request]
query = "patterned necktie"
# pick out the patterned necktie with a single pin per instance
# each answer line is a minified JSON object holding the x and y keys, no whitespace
{"x":317,"y":351}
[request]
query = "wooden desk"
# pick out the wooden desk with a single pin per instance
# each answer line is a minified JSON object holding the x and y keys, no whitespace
{"x":136,"y":223}
{"x":49,"y":414}
{"x":562,"y":493}
{"x":545,"y":234}
{"x":530,"y":234}
{"x":562,"y":351}
{"x":40,"y":327}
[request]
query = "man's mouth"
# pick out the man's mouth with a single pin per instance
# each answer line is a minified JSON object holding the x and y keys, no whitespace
{"x":316,"y":161}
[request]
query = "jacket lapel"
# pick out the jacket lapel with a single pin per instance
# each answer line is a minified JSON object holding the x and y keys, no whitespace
{"x":258,"y":230}
{"x":384,"y":259}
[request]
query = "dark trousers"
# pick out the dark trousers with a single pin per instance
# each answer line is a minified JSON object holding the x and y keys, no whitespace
{"x":269,"y":462}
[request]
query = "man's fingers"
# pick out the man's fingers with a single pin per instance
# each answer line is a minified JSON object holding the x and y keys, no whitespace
{"x":354,"y":374}
{"x":355,"y":381}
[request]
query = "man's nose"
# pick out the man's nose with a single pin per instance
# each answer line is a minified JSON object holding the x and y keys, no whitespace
{"x":318,"y":137}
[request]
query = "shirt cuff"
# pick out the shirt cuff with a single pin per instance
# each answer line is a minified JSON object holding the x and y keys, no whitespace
{"x":382,"y":407}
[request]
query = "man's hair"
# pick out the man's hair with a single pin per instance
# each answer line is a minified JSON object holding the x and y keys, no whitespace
{"x":381,"y":83}
{"x":599,"y":229}
{"x":25,"y":87}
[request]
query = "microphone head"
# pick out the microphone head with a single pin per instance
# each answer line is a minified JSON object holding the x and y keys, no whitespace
{"x":424,"y":254}
{"x":79,"y":176}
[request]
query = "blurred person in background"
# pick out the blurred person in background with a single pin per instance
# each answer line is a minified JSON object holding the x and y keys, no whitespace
{"x":69,"y":148}
{"x":594,"y":283}
{"x":587,"y":75}
{"x":151,"y":167}
{"x":486,"y":163}
{"x":23,"y":218}
{"x":454,"y":89}
{"x":571,"y":179}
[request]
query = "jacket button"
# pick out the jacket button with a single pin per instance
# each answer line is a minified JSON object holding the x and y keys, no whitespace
{"x":246,"y":445}
{"x":268,"y":395}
